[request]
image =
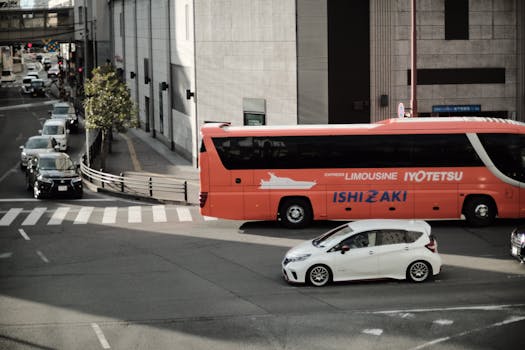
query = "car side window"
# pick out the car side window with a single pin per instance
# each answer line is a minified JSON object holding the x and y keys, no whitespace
{"x":412,"y":236}
{"x":361,"y":240}
{"x":387,"y":237}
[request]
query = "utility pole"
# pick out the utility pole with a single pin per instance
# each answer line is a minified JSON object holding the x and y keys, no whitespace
{"x":413,"y":62}
{"x":84,"y":70}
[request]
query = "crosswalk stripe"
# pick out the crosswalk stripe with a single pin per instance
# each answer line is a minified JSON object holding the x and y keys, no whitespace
{"x":110,"y":215}
{"x":83,"y":215}
{"x":134,"y":215}
{"x":10,"y":216}
{"x":159,"y":213}
{"x":58,"y":216}
{"x":34,"y":216}
{"x":184,"y":214}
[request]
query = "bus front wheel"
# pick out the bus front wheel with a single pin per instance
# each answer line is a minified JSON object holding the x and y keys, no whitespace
{"x":295,"y":213}
{"x":479,"y":211}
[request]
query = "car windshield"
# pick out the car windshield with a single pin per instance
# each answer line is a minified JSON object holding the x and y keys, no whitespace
{"x":27,"y":80}
{"x":61,"y":163}
{"x":53,"y":130}
{"x":37,"y":143}
{"x":60,"y":110}
{"x":332,"y":235}
{"x":37,"y":83}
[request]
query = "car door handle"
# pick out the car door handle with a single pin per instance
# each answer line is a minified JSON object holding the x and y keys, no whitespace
{"x":406,"y":248}
{"x":371,"y":252}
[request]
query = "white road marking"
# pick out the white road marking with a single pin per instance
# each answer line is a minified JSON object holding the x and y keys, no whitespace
{"x":134,"y":215}
{"x":83,"y":215}
{"x":110,"y":215}
{"x":42,"y":256}
{"x":101,"y":338}
{"x":10,"y":216}
{"x":34,"y":216}
{"x":510,"y":320}
{"x":184,"y":214}
{"x":159,"y":213}
{"x":24,"y":234}
{"x":454,"y":308}
{"x":6,"y":255}
{"x":373,"y":331}
{"x":443,"y":322}
{"x":59,"y":216}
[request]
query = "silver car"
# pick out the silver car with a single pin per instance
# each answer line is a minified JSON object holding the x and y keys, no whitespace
{"x":35,"y":145}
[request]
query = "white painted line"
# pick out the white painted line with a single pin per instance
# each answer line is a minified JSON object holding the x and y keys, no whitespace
{"x":373,"y":331}
{"x":101,"y":338}
{"x":6,"y":255}
{"x":209,"y":218}
{"x":26,"y":105}
{"x":10,"y":216}
{"x":159,"y":213}
{"x":184,"y":214}
{"x":59,"y":216}
{"x":134,"y":215}
{"x":83,"y":215}
{"x":42,"y":256}
{"x":34,"y":216}
{"x":24,"y":234}
{"x":443,"y":322}
{"x":110,"y":215}
{"x":510,"y":320}
{"x":456,"y":308}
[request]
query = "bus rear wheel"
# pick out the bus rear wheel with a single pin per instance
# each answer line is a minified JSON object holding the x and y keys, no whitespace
{"x":295,"y":213}
{"x":479,"y":211}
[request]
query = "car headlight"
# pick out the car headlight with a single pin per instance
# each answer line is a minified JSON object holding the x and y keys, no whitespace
{"x":24,"y":155}
{"x":295,"y":258}
{"x":42,"y":178}
{"x":76,"y":180}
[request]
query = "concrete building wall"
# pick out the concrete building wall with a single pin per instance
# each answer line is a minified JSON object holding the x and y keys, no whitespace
{"x":246,"y":50}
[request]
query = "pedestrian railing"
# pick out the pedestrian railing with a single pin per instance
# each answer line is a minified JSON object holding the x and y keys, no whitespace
{"x":143,"y":185}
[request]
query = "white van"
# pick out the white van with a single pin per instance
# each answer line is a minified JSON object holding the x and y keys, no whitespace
{"x":7,"y":76}
{"x":26,"y":84}
{"x":56,"y":128}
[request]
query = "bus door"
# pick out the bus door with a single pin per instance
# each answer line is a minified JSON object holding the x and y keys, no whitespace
{"x":436,"y":201}
{"x":394,"y":201}
{"x":347,"y":201}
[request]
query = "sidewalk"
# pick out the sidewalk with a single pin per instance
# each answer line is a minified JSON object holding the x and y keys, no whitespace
{"x":136,"y":152}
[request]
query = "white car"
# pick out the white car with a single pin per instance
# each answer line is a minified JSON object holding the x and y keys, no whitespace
{"x":31,"y":66}
{"x":53,"y":72}
{"x":7,"y":76}
{"x":66,"y":111}
{"x":26,"y":84}
{"x":35,"y":145}
{"x":56,"y":128}
{"x":366,"y":249}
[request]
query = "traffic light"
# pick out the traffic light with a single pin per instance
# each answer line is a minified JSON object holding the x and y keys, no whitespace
{"x":29,"y":45}
{"x":80,"y":69}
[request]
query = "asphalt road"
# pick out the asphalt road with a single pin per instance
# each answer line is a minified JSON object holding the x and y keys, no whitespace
{"x":106,"y":273}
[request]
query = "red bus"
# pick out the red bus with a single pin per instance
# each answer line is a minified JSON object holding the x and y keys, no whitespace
{"x":421,"y":168}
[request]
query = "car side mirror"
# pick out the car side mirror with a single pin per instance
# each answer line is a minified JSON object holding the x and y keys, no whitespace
{"x":21,"y":147}
{"x":49,"y":113}
{"x":345,"y":248}
{"x":40,"y":132}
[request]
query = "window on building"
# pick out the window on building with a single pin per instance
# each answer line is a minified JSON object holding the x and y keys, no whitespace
{"x":52,"y":20}
{"x":121,"y":22}
{"x":456,"y":20}
{"x":80,"y":15}
{"x":254,"y":111}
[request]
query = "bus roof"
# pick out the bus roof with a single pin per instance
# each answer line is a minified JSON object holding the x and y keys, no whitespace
{"x":403,"y":125}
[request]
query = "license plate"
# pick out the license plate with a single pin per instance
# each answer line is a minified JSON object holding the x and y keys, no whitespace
{"x":514,"y":250}
{"x":62,"y":188}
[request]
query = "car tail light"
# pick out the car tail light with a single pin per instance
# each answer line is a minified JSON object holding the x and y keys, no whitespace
{"x":203,"y":197}
{"x":432,"y":245}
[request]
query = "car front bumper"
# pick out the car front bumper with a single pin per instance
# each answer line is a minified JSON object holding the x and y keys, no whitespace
{"x":56,"y":187}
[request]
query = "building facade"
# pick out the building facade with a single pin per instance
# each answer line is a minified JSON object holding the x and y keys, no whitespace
{"x":274,"y":62}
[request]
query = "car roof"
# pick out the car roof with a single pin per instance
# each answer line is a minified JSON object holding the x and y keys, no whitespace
{"x":54,"y":122}
{"x":53,"y":155}
{"x":29,"y":77}
{"x":38,"y":80}
{"x":61,"y":104}
{"x":39,"y":137}
{"x":394,"y":224}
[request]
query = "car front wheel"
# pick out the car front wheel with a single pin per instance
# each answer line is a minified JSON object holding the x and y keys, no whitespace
{"x":419,"y":271}
{"x":36,"y":191}
{"x":319,"y":275}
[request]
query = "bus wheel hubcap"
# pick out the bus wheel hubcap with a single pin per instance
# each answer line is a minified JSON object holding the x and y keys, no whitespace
{"x":482,"y":211}
{"x":295,"y":213}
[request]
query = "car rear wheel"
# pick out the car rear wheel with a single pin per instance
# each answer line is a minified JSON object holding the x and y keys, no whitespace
{"x":419,"y":271}
{"x":319,"y":275}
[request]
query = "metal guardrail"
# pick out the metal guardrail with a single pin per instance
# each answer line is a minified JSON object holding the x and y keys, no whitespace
{"x":147,"y":185}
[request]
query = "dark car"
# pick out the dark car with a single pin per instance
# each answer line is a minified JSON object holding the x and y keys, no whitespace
{"x":53,"y":174}
{"x":517,"y":243}
{"x":38,"y":88}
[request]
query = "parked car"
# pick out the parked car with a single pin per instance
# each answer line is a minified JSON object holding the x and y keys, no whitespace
{"x":56,"y":128}
{"x":517,"y":243}
{"x":53,"y":174}
{"x":38,"y":87}
{"x":26,"y":84}
{"x":66,"y":111}
{"x":366,"y":249}
{"x":31,"y":66}
{"x":46,"y":62}
{"x":53,"y":72}
{"x":33,"y":74}
{"x":35,"y":145}
{"x":7,"y":76}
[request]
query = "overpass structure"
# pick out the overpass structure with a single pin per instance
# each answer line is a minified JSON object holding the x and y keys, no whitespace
{"x":38,"y":26}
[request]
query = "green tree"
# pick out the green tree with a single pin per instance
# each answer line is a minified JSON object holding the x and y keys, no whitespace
{"x":108,"y":106}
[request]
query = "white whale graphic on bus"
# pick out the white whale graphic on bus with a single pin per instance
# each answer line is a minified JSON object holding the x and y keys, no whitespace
{"x":285,"y":183}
